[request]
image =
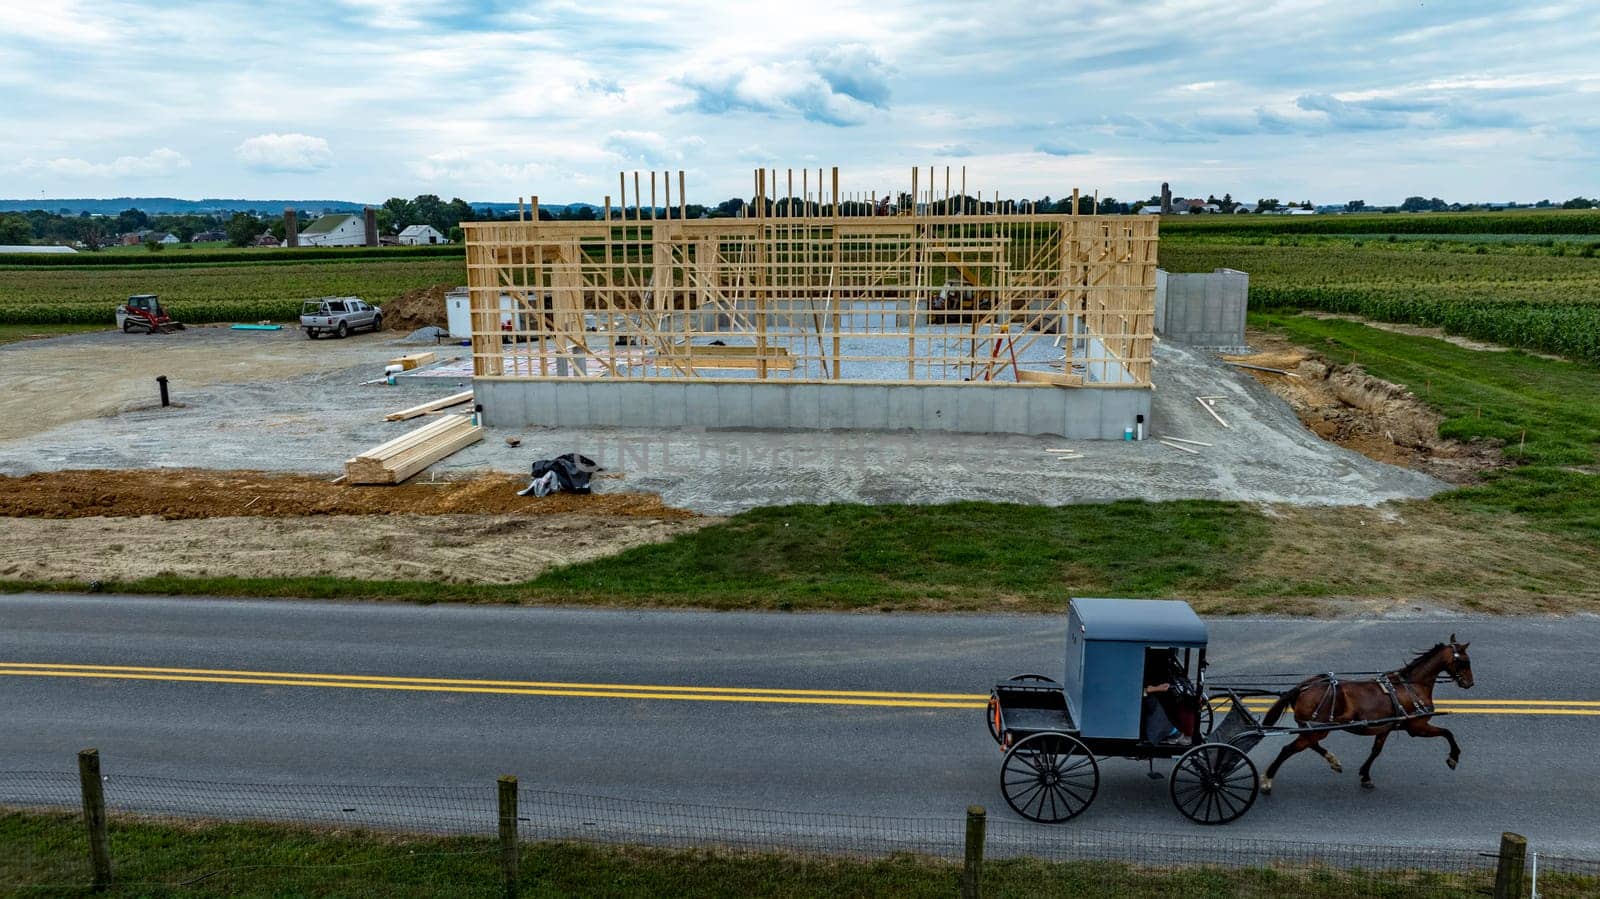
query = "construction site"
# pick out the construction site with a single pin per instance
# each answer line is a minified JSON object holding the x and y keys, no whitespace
{"x":826,"y":347}
{"x":815,"y":313}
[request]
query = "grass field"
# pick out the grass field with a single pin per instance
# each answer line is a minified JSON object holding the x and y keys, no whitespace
{"x":47,"y":856}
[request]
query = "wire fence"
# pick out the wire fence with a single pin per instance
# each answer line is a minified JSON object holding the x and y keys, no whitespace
{"x":467,"y":819}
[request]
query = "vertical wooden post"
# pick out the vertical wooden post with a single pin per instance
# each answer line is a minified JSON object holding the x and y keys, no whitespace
{"x":761,"y":273}
{"x":833,"y":278}
{"x":94,"y":816}
{"x":508,"y":834}
{"x":1508,"y":873}
{"x":972,"y":865}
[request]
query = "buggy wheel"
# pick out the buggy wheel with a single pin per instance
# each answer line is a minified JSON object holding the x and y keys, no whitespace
{"x":1214,"y":783}
{"x":1207,"y":716}
{"x":1049,"y":778}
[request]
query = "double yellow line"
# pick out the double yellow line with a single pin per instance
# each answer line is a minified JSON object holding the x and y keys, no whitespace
{"x":498,"y":687}
{"x":658,"y":691}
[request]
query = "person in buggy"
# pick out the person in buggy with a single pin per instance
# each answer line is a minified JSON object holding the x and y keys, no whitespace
{"x":1169,"y":705}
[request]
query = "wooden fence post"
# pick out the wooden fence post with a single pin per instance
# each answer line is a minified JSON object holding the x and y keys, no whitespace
{"x":508,"y":834}
{"x":94,"y":816}
{"x":1508,"y":872}
{"x":972,"y":866}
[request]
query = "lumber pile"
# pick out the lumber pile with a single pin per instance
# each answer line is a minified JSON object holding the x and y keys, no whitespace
{"x":454,"y":399}
{"x":404,"y":456}
{"x":413,"y":360}
{"x":1029,"y":376}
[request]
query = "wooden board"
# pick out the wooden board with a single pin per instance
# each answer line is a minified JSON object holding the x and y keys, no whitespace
{"x":454,"y":399}
{"x":1029,"y":376}
{"x":777,"y":358}
{"x":414,"y":360}
{"x":395,"y":461}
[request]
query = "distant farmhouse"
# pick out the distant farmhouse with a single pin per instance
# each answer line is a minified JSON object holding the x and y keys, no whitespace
{"x":418,"y":235}
{"x":337,"y":230}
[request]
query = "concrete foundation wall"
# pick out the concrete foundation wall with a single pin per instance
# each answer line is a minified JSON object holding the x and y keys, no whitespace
{"x":1082,"y":413}
{"x":1203,"y":310}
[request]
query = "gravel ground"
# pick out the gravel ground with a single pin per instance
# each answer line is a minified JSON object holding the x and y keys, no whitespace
{"x":312,"y":421}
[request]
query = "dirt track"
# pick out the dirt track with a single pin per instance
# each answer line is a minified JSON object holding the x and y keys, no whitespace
{"x":442,"y":548}
{"x":53,"y":382}
{"x":198,"y":493}
{"x":126,"y":525}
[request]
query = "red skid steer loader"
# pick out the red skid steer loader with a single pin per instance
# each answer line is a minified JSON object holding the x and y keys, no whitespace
{"x":144,"y":313}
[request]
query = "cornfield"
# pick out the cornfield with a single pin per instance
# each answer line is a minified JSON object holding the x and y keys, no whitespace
{"x":211,"y":293}
{"x":1550,"y":221}
{"x":1543,"y":303}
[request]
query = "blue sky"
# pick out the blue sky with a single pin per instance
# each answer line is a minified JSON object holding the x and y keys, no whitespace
{"x":364,"y":99}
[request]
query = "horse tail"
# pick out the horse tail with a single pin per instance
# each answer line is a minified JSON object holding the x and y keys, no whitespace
{"x":1285,"y":700}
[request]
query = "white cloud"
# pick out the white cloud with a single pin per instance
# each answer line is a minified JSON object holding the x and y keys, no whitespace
{"x":158,"y":163}
{"x":285,"y":153}
{"x":837,"y":86}
{"x":650,"y":148}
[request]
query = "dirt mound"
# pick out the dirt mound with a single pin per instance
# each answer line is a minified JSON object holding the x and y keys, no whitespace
{"x":194,"y":493}
{"x":1380,"y":420}
{"x":417,"y":309}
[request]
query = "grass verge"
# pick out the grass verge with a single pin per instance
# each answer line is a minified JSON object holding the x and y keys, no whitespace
{"x":48,"y":857}
{"x":14,"y":333}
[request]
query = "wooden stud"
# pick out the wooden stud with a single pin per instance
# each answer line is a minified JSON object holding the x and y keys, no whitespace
{"x":1063,"y":277}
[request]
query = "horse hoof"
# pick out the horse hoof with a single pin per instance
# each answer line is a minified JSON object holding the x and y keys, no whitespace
{"x":1452,"y":763}
{"x":1368,"y":785}
{"x":1266,"y":788}
{"x":1337,"y":768}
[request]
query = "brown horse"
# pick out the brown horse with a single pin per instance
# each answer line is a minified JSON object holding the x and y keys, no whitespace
{"x":1395,"y":699}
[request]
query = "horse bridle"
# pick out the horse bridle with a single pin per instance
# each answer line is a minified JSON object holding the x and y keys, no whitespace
{"x":1455,"y":659}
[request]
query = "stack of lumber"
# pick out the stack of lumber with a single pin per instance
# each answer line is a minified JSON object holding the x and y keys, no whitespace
{"x":454,"y":399}
{"x":402,"y":457}
{"x":414,"y":360}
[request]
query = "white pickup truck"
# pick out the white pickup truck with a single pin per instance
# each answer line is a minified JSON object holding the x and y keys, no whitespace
{"x":338,"y":316}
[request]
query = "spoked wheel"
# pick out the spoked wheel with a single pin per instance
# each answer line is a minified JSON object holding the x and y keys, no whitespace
{"x":1214,"y":783}
{"x":1207,"y":716}
{"x":1049,"y":778}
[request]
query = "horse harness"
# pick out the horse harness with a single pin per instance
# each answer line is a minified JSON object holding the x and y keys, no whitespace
{"x":1389,"y":682}
{"x":1391,"y":686}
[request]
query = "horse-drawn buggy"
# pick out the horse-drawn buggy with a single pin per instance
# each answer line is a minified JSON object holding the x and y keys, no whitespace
{"x":1134,"y":687}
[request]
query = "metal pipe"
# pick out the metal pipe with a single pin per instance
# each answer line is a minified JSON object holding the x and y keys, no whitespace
{"x":161,"y":380}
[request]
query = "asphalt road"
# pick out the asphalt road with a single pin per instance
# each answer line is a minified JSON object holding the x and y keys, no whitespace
{"x":604,"y":703}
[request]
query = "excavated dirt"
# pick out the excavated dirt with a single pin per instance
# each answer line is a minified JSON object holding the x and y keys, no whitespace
{"x":416,"y":309}
{"x":479,"y":549}
{"x":1380,"y":420}
{"x":199,"y":493}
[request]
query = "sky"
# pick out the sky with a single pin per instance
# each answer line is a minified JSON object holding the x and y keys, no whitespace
{"x":365,"y":99}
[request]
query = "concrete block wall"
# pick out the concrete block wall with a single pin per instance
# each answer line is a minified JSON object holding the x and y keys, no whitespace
{"x":1203,"y":310}
{"x":1082,"y":413}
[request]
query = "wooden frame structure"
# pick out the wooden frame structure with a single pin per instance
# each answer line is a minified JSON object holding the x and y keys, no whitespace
{"x":815,"y":287}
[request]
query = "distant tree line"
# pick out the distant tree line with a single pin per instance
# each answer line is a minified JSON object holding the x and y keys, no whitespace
{"x":244,"y":228}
